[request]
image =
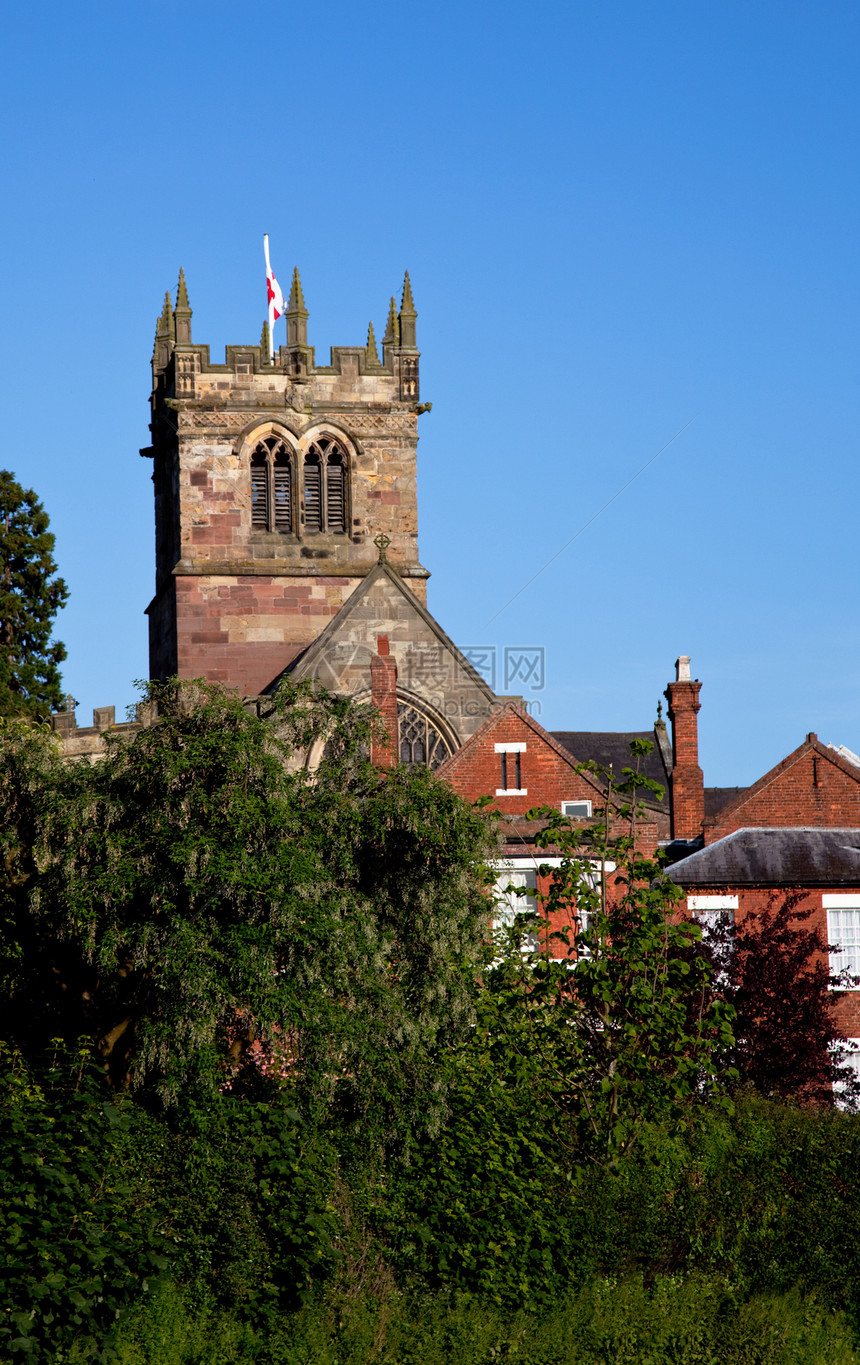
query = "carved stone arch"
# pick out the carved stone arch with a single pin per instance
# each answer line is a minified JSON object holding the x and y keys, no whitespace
{"x":422,"y":727}
{"x":260,"y":427}
{"x":268,"y":451}
{"x":310,"y":429}
{"x":327,"y":457}
{"x":445,"y":743}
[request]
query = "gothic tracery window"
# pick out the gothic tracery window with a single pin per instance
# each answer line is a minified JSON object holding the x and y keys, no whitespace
{"x":421,"y":744}
{"x":325,"y":490}
{"x":272,"y":486}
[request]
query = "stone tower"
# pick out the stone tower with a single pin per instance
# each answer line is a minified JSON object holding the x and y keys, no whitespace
{"x":272,"y":480}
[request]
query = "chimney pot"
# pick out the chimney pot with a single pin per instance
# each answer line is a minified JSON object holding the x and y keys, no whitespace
{"x":682,"y":668}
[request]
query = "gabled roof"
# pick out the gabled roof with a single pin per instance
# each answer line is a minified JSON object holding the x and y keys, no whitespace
{"x":611,"y":748}
{"x":811,"y":744}
{"x":543,"y":736}
{"x":306,"y":664}
{"x":774,"y":857}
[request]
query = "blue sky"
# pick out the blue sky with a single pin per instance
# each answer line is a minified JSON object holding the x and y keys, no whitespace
{"x":618,"y":217}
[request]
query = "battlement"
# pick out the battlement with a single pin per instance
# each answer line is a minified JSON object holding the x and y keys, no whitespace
{"x":88,"y":741}
{"x":180,"y":367}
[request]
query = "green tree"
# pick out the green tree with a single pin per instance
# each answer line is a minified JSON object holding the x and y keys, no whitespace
{"x":615,"y":1017}
{"x":30,"y":598}
{"x":201,"y":906}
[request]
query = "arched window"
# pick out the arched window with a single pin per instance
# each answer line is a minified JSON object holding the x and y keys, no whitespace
{"x":325,"y":493}
{"x":335,"y":511}
{"x":421,"y":744}
{"x":272,"y":486}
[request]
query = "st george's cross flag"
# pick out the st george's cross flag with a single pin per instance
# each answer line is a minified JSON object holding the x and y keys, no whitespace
{"x":274,"y":296}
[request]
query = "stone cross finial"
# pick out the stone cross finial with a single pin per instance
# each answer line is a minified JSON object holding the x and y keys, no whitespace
{"x":69,"y":702}
{"x":382,"y":542}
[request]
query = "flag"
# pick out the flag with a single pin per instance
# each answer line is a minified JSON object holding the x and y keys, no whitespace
{"x":274,"y":297}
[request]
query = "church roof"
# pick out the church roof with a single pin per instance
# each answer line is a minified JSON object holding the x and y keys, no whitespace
{"x":432,"y":674}
{"x":304,"y":665}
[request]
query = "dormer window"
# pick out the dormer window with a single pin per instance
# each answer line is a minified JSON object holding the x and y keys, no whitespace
{"x":325,"y":487}
{"x":272,"y":486}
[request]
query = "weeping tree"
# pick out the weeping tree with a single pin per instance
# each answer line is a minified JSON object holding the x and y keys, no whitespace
{"x":30,"y":597}
{"x":207,"y":911}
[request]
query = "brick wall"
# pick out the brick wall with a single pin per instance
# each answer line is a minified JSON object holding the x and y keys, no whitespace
{"x":812,"y":787}
{"x":547,"y":777}
{"x":547,"y":773}
{"x":754,"y":900}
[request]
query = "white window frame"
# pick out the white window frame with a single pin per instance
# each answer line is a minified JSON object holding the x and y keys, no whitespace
{"x":713,"y":902}
{"x":574,"y":801}
{"x":712,"y":911}
{"x":849,"y":1057}
{"x":837,"y":905}
{"x":511,"y":747}
{"x":506,"y":918}
{"x":532,"y":865}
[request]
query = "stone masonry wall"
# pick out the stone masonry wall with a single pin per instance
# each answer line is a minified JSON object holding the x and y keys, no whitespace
{"x":235,"y":602}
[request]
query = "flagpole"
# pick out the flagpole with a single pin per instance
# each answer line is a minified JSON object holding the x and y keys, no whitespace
{"x":271,"y":299}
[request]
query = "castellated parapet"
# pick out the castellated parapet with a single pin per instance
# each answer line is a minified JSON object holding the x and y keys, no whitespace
{"x":272,"y":479}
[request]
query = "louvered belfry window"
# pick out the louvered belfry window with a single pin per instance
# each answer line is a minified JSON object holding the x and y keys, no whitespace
{"x":325,"y":487}
{"x":272,"y":486}
{"x":313,"y":492}
{"x":283,"y":474}
{"x":334,"y":514}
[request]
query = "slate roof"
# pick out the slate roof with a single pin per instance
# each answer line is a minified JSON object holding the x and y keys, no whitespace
{"x":613,"y":747}
{"x":775,"y":857}
{"x":717,"y":797}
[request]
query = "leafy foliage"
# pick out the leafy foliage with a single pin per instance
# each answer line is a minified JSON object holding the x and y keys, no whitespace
{"x":74,"y":1245}
{"x":637,"y":1032}
{"x":696,"y":1322}
{"x":773,"y":970}
{"x":30,"y":598}
{"x":197,"y":904}
{"x":289,"y":981}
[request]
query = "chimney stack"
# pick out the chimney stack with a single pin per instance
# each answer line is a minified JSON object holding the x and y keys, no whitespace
{"x":687,"y":785}
{"x":383,"y":694}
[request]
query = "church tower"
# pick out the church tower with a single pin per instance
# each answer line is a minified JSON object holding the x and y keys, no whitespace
{"x":272,"y":481}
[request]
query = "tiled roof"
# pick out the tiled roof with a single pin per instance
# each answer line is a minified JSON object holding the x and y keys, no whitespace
{"x":775,"y":857}
{"x":613,"y":748}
